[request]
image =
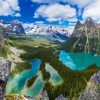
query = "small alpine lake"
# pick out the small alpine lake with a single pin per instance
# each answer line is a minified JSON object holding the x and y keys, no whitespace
{"x":78,"y":61}
{"x":18,"y":84}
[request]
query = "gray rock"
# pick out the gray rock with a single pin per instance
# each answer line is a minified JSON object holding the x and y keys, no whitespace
{"x":1,"y":34}
{"x":89,"y":26}
{"x":61,"y":97}
{"x":96,"y":77}
{"x":5,"y":67}
{"x":92,"y":92}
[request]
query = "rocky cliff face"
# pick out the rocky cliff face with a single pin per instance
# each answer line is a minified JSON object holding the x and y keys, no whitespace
{"x":13,"y":27}
{"x":88,"y":28}
{"x":1,"y":34}
{"x":85,"y":38}
{"x":4,"y":74}
{"x":77,"y":30}
{"x":50,"y":33}
{"x":96,"y":78}
{"x":92,"y":91}
{"x":17,"y":27}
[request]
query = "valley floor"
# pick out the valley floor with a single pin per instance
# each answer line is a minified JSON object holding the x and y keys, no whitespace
{"x":23,"y":51}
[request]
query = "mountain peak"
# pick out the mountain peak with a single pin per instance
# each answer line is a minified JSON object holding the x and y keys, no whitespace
{"x":16,"y":22}
{"x":80,"y":28}
{"x":12,"y":27}
{"x":78,"y":24}
{"x":86,"y":38}
{"x":77,"y":30}
{"x":89,"y":23}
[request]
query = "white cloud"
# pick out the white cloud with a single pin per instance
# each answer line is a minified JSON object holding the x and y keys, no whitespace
{"x":17,"y":15}
{"x":39,"y":22}
{"x":70,"y":29}
{"x":71,"y":24}
{"x":9,"y":7}
{"x":93,"y":11}
{"x":72,"y":19}
{"x":28,"y":25}
{"x":48,"y":1}
{"x":55,"y":12}
{"x":79,"y":3}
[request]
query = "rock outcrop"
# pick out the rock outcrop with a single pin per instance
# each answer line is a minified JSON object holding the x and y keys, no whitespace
{"x":4,"y":74}
{"x":88,"y":28}
{"x":77,"y":30}
{"x":85,"y":38}
{"x":2,"y":33}
{"x":92,"y":91}
{"x":96,"y":78}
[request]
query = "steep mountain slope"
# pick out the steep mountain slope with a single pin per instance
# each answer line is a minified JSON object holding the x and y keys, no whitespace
{"x":1,"y":33}
{"x":85,"y":38}
{"x":12,"y":27}
{"x":49,"y":33}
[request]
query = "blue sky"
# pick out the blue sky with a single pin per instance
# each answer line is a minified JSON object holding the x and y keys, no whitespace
{"x":55,"y":12}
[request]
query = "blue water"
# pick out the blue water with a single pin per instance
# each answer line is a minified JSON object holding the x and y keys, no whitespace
{"x":78,"y":61}
{"x":55,"y":77}
{"x":35,"y":66}
{"x":16,"y":84}
{"x":36,"y":88}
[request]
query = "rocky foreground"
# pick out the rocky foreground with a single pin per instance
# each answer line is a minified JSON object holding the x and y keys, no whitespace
{"x":92,"y":91}
{"x":5,"y":67}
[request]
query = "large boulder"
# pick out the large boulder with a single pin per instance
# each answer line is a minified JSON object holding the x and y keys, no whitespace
{"x":92,"y":91}
{"x":5,"y":67}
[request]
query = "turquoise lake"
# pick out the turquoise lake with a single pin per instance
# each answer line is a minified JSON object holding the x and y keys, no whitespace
{"x":55,"y":77}
{"x":74,"y":61}
{"x":18,"y":83}
{"x":78,"y":61}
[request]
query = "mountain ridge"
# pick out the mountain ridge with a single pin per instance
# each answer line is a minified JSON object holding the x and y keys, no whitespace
{"x":85,"y":38}
{"x":12,"y":27}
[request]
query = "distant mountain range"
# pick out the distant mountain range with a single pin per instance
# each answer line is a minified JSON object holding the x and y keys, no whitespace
{"x":49,"y":33}
{"x":85,"y":38}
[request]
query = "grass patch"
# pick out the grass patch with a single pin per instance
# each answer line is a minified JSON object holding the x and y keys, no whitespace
{"x":22,"y":66}
{"x":3,"y":52}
